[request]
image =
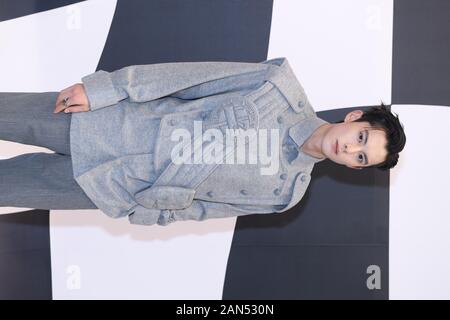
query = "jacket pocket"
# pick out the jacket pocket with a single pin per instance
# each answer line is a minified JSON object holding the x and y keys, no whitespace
{"x":233,"y":112}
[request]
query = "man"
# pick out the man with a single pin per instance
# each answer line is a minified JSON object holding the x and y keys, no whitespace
{"x":123,"y":124}
{"x":363,"y":140}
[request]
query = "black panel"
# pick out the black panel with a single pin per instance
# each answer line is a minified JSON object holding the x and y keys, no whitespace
{"x":160,"y":31}
{"x":11,"y":9}
{"x":25,"y":266}
{"x":421,"y":51}
{"x":307,"y":272}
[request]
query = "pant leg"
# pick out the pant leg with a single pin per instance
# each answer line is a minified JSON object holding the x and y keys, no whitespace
{"x":28,"y":118}
{"x":41,"y":181}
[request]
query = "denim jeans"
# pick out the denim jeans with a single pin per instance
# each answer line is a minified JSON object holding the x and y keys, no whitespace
{"x":38,"y":180}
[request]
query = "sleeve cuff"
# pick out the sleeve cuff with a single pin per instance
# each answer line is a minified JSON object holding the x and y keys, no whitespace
{"x":165,"y":197}
{"x":100,"y":90}
{"x":143,"y":216}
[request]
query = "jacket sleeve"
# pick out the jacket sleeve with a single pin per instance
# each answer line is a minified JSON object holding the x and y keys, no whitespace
{"x":186,"y":80}
{"x":199,"y":210}
{"x":165,"y":197}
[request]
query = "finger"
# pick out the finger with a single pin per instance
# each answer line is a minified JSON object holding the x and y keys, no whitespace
{"x":65,"y":92}
{"x":79,"y":108}
{"x":70,"y":102}
{"x":61,"y":106}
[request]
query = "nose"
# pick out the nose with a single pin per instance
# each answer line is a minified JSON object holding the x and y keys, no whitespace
{"x":351,"y":148}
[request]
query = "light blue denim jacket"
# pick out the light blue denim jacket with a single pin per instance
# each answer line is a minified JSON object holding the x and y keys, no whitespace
{"x":121,"y":149}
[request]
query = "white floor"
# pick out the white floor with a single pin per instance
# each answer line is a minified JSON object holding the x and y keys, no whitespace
{"x":419,"y":228}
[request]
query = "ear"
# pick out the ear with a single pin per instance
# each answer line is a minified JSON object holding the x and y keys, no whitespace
{"x":353,"y":115}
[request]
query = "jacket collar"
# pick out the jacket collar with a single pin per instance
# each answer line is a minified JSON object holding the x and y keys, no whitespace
{"x":301,"y":131}
{"x":284,"y":78}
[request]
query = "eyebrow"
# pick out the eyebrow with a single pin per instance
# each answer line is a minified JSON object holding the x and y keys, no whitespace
{"x":365,"y":143}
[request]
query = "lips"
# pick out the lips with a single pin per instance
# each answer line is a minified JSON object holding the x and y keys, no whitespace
{"x":336,"y":145}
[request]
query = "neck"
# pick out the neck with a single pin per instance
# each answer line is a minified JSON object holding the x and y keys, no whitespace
{"x":313,"y":145}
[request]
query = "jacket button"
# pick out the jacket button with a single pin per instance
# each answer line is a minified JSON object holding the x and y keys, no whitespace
{"x":210,"y":194}
{"x":279,"y":119}
{"x":301,"y":104}
{"x":277,"y":191}
{"x":244,"y":192}
{"x":283,"y":176}
{"x":303,"y":178}
{"x":172,"y":122}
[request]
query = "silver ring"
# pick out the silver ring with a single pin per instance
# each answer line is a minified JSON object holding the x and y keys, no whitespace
{"x":65,"y":101}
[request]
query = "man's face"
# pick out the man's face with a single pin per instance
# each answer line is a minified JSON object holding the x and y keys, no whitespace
{"x":357,"y":142}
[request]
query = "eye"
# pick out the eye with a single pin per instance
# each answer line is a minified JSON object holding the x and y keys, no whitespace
{"x":361,"y":136}
{"x":361,"y":158}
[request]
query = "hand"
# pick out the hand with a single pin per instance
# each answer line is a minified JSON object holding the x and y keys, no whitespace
{"x":77,"y":102}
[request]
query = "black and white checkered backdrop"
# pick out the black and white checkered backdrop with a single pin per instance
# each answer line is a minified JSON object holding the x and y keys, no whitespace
{"x":355,"y":235}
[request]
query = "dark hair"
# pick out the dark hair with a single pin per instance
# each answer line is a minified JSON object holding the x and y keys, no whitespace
{"x":380,"y":117}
